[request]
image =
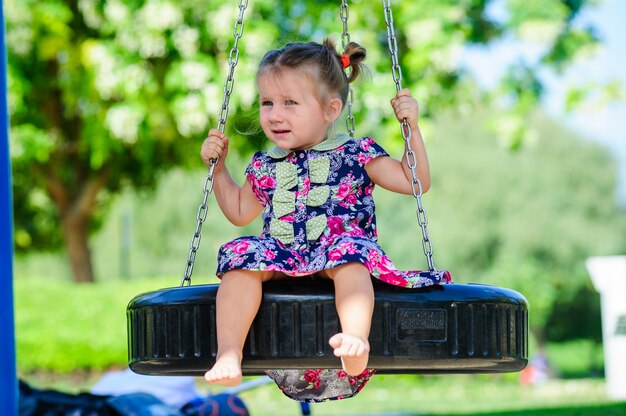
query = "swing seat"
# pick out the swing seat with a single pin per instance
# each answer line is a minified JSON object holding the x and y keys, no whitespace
{"x":454,"y":328}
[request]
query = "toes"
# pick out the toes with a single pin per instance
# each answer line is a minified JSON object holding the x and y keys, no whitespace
{"x":224,"y":373}
{"x":348,"y":345}
{"x":335,"y":341}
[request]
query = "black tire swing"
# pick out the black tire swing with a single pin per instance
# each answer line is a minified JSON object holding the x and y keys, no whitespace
{"x":452,"y":328}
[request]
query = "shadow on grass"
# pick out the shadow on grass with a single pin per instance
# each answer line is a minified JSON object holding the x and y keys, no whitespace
{"x":616,"y":409}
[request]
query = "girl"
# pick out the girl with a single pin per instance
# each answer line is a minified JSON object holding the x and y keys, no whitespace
{"x":314,"y":191}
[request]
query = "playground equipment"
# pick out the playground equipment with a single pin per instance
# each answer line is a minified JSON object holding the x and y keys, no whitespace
{"x":8,"y":372}
{"x":454,"y":328}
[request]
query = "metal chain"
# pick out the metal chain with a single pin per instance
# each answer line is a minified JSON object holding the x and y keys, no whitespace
{"x":411,"y":159}
{"x":233,"y":59}
{"x":344,"y":14}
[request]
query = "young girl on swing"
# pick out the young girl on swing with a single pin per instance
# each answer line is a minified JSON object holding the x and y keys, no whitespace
{"x":314,"y":191}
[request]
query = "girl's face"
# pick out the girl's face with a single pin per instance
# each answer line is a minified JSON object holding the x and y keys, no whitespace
{"x":291,"y":113}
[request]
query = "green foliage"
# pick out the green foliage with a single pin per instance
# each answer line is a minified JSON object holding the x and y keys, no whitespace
{"x":576,"y":359}
{"x":584,"y":304}
{"x":113,"y":92}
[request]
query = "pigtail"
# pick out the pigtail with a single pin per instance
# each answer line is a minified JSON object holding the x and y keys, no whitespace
{"x":352,"y":58}
{"x":355,"y":54}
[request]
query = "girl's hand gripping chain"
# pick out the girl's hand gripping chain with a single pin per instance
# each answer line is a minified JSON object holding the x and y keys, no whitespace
{"x":214,"y":147}
{"x":406,"y":107}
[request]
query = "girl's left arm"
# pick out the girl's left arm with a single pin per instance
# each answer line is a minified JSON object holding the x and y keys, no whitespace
{"x":393,"y":174}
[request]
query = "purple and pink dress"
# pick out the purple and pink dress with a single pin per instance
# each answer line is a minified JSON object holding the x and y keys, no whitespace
{"x":318,"y":213}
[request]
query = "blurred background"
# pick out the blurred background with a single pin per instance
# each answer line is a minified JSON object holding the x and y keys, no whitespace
{"x":522,"y":107}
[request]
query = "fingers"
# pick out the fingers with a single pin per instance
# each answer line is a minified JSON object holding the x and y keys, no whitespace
{"x":405,"y":106}
{"x":405,"y":92}
{"x":215,"y":146}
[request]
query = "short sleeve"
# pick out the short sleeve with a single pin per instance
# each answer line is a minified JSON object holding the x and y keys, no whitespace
{"x":256,"y":174}
{"x":369,"y":149}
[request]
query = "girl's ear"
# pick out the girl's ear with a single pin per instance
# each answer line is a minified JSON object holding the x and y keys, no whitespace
{"x":334,"y":108}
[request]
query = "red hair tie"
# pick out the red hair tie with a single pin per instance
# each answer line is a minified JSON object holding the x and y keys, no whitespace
{"x":345,"y":60}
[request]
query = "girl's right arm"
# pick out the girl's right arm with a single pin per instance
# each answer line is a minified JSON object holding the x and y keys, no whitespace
{"x":238,"y":203}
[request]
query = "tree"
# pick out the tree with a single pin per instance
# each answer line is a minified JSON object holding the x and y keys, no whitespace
{"x":106,"y":94}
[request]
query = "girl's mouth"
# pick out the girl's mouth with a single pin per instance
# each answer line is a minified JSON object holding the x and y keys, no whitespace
{"x":281,"y":132}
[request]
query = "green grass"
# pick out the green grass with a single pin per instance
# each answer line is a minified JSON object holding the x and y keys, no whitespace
{"x":452,"y":395}
{"x":443,"y":395}
{"x":618,"y":409}
{"x":64,"y":327}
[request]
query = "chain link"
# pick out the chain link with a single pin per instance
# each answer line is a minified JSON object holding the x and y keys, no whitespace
{"x":416,"y":185}
{"x":233,"y":59}
{"x":344,"y":14}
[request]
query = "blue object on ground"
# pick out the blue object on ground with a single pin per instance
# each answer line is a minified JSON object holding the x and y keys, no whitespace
{"x":305,"y":407}
{"x":222,"y":404}
{"x":141,"y":404}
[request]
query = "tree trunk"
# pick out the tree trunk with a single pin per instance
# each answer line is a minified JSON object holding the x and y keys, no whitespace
{"x":76,"y":233}
{"x":76,"y":210}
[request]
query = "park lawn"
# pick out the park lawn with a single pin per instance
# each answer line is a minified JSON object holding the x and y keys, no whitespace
{"x":411,"y":395}
{"x":451,"y":395}
{"x":64,"y":327}
{"x":617,"y":409}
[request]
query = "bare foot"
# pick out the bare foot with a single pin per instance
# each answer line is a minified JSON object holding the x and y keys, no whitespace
{"x":354,"y":352}
{"x":226,"y":371}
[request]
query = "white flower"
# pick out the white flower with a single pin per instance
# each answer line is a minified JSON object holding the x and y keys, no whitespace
{"x":160,"y":15}
{"x":116,"y":11}
{"x":191,"y":117}
{"x":212,"y":97}
{"x":98,"y":57}
{"x":186,"y":40}
{"x":20,"y":40}
{"x":127,"y":38}
{"x":135,"y":77}
{"x":152,"y":45}
{"x":221,"y":20}
{"x":123,"y":122}
{"x":196,"y":74}
{"x":90,"y":13}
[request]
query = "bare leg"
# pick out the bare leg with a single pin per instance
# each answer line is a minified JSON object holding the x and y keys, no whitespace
{"x":238,"y":300}
{"x":354,"y":299}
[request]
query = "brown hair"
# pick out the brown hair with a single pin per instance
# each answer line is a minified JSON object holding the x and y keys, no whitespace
{"x":324,"y":61}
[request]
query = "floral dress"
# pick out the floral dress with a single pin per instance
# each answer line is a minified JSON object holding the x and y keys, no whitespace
{"x":318,"y":213}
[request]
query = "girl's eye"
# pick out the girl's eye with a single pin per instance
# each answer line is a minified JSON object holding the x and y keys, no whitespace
{"x":266,"y":103}
{"x":290,"y":102}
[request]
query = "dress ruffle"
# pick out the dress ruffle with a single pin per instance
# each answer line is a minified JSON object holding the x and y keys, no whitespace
{"x":269,"y":254}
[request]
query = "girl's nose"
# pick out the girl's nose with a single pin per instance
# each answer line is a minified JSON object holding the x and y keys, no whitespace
{"x":275,"y":114}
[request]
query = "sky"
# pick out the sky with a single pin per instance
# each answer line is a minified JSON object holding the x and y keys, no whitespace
{"x":605,"y":124}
